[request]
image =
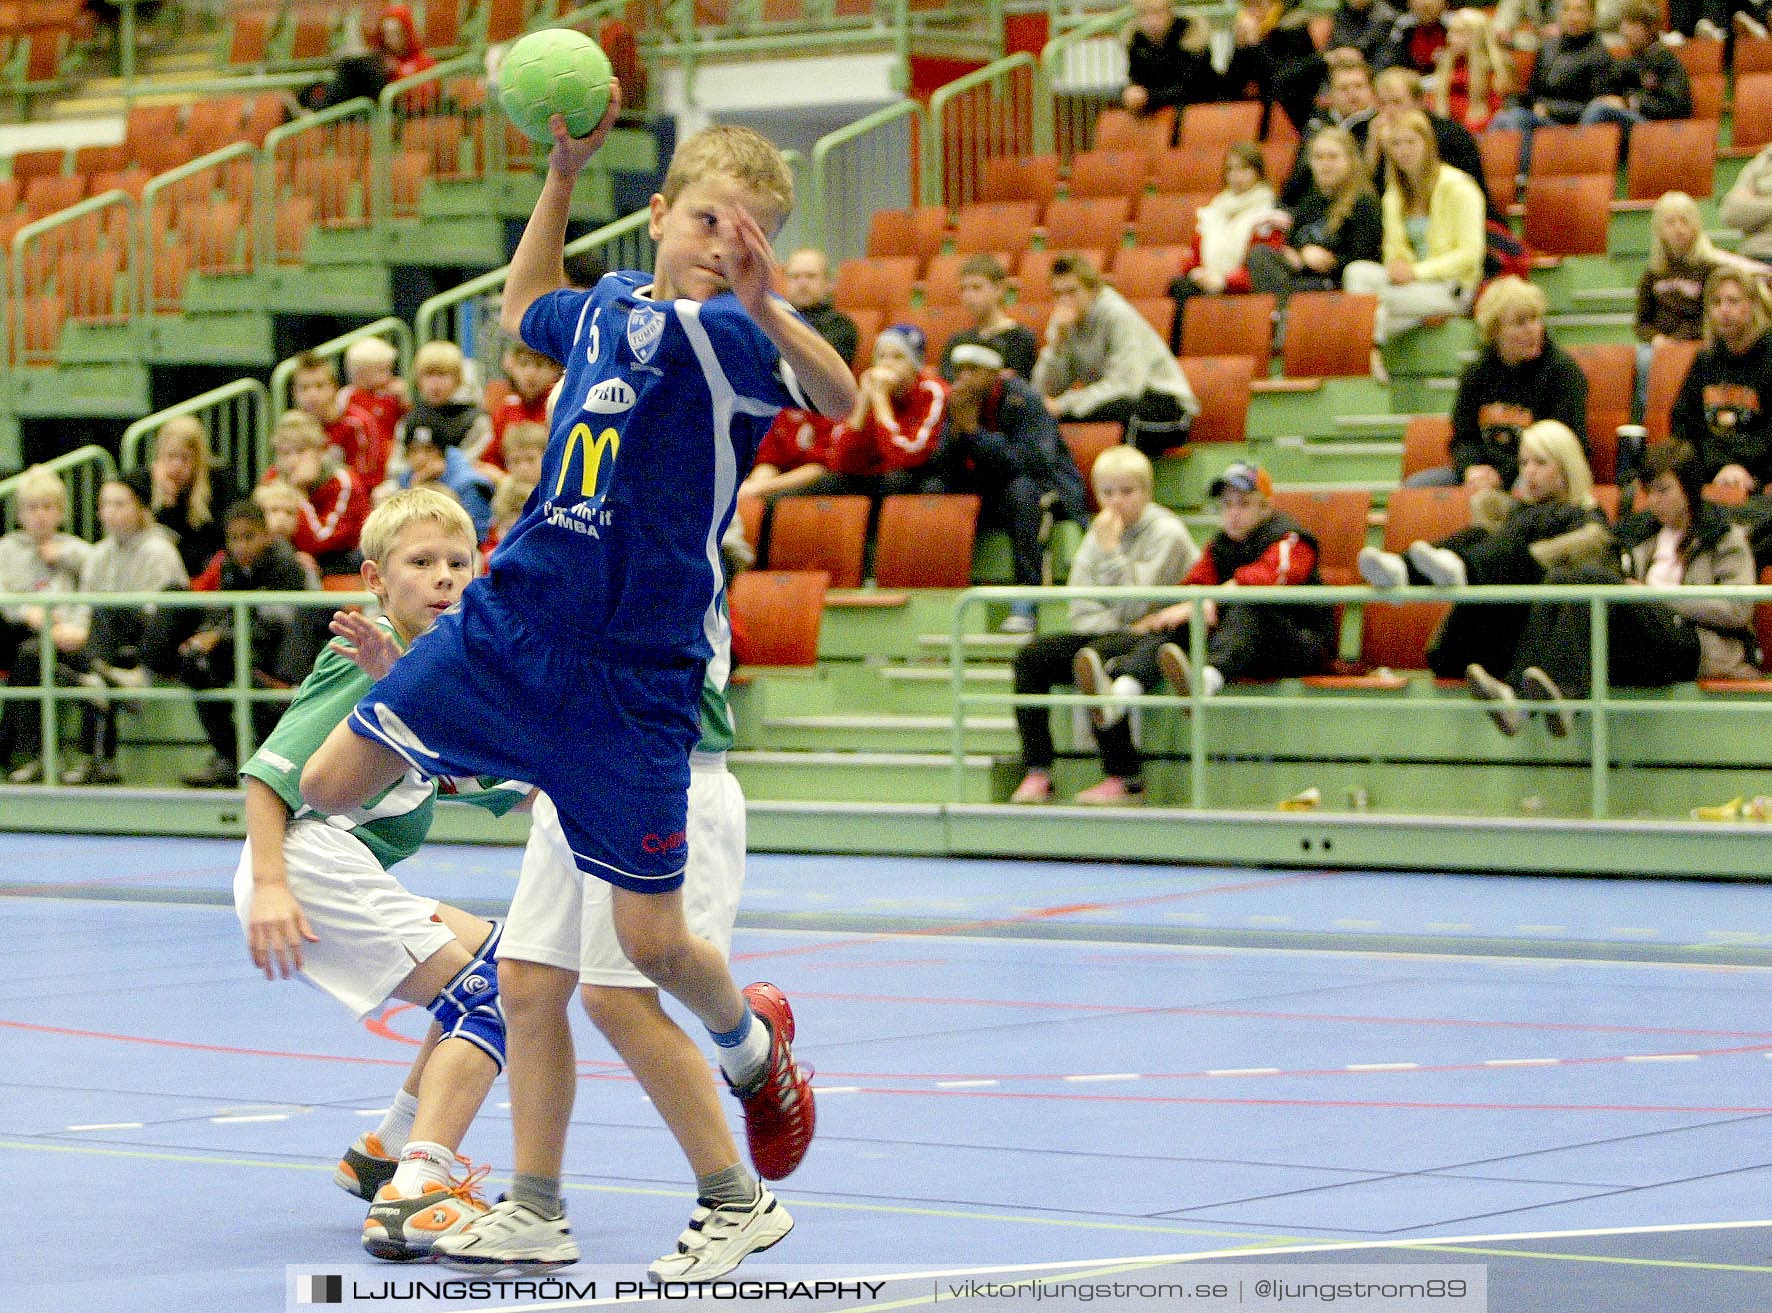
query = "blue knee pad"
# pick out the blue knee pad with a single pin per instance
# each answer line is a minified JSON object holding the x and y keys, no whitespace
{"x":468,"y":1007}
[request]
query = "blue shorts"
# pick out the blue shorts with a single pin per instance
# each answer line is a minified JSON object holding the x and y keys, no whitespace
{"x":488,"y":691}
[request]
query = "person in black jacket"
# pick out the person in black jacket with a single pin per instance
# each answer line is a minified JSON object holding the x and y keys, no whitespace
{"x":1573,"y":69}
{"x":1649,"y":82}
{"x":1399,"y":92}
{"x":1004,"y":445}
{"x":806,"y":281}
{"x":1351,"y":105}
{"x":198,"y":647}
{"x":1722,"y":408}
{"x":1274,"y":40}
{"x":1520,"y":377}
{"x":1336,"y":221}
{"x":1365,"y":27}
{"x":1163,"y":65}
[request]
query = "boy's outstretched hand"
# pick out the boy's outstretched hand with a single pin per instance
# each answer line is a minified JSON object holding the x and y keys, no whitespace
{"x":570,"y":154}
{"x":364,"y":643}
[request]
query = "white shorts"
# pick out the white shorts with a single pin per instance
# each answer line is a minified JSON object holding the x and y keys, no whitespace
{"x":372,"y":930}
{"x":561,"y":919}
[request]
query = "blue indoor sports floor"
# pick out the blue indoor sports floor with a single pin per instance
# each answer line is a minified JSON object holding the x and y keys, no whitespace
{"x":1017,"y":1063}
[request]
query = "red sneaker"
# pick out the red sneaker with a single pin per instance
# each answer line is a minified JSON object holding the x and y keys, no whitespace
{"x":779,"y":1114}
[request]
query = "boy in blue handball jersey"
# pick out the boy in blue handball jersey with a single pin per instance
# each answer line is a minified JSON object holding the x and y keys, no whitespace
{"x":577,"y":663}
{"x":315,"y":896}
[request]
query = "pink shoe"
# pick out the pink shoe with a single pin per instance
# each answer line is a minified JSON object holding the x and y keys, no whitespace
{"x":1036,"y":786}
{"x":1111,"y":792}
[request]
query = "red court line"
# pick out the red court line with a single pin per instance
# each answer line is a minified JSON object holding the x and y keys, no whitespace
{"x":1386,"y":1104}
{"x":67,"y":1032}
{"x":1034,"y":914}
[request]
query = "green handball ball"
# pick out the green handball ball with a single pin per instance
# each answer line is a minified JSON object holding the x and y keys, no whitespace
{"x":557,"y":71}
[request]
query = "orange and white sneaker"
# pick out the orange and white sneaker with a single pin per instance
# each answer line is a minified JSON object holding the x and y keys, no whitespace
{"x":401,"y":1228}
{"x":365,"y":1168}
{"x":779,"y":1113}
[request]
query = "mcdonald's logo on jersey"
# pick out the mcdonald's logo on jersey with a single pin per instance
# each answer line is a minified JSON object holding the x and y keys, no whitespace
{"x":591,"y":451}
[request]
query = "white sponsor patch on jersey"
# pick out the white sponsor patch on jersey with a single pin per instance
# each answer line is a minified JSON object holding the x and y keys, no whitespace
{"x":610,"y":397}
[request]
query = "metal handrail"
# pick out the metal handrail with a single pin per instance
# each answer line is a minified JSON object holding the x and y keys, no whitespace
{"x":1052,"y":57}
{"x":935,"y":173}
{"x":161,"y":182}
{"x":382,"y":133}
{"x":78,"y":459}
{"x":240,"y":693}
{"x":265,"y":209}
{"x":389,"y":326}
{"x":130,"y":448}
{"x":820,"y":180}
{"x":134,"y":324}
{"x":1599,"y":703}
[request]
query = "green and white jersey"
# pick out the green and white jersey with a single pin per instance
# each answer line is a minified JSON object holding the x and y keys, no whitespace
{"x":391,"y":825}
{"x":716,"y":711}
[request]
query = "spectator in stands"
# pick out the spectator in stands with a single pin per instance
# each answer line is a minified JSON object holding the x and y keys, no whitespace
{"x":525,"y":445}
{"x":898,"y":421}
{"x":1335,"y":222}
{"x":36,"y":557}
{"x":1255,"y":546}
{"x":1004,"y":446}
{"x":531,"y":377}
{"x":197,"y":647}
{"x":1574,"y":67}
{"x":981,"y":292}
{"x":1350,"y":105}
{"x":432,"y":464}
{"x":314,"y":389}
{"x":1400,"y":91}
{"x":1549,"y":520}
{"x":508,"y":499}
{"x":446,"y":411}
{"x":1722,"y":406}
{"x":1274,"y":38}
{"x":1433,"y":233}
{"x":1416,"y":38}
{"x":807,"y":279}
{"x":395,"y":52}
{"x":180,"y":489}
{"x":1223,"y":230}
{"x":1132,"y":542}
{"x":1519,"y":377}
{"x":1165,"y":58}
{"x":134,"y":556}
{"x":1681,"y":539}
{"x":1648,"y":81}
{"x":377,"y":397}
{"x":1472,"y":74}
{"x":283,"y":504}
{"x":337,"y":502}
{"x":1527,"y":24}
{"x":1364,"y":27}
{"x":1748,"y":206}
{"x":1103,"y":361}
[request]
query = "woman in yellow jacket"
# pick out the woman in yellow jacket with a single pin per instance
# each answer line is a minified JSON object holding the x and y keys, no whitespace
{"x":1433,"y":233}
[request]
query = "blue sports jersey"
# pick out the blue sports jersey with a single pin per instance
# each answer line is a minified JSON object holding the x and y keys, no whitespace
{"x":659,"y":417}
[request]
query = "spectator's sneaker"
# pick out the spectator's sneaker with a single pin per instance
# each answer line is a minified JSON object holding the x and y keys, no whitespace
{"x":1090,"y":676}
{"x":1112,"y":792}
{"x":1750,"y":25}
{"x":1019,"y":622}
{"x":400,"y":1228}
{"x":1505,"y":707}
{"x":220,"y":773}
{"x":1176,"y":668}
{"x":1540,"y":687}
{"x":1036,"y":786}
{"x":1383,"y":569}
{"x":1442,"y":566}
{"x":94,"y":770}
{"x":31,"y":772}
{"x":779,"y":1112}
{"x":1707,"y":30}
{"x":365,"y":1168}
{"x":509,"y":1234}
{"x":720,"y":1236}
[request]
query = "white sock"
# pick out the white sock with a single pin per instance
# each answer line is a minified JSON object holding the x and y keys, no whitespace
{"x":1211,"y":680}
{"x":396,"y":1124}
{"x":746,"y":1057}
{"x":424,"y":1166}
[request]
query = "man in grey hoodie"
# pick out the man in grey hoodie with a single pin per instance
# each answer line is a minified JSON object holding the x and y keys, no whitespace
{"x":1103,"y":361}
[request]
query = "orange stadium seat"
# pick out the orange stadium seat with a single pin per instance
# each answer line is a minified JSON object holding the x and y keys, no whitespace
{"x":1221,"y":383}
{"x":1087,"y":440}
{"x":1109,"y":173}
{"x":995,"y":226}
{"x":1188,"y":171}
{"x":820,"y":533}
{"x":1139,"y":272}
{"x":1568,"y":214}
{"x":1671,"y":156}
{"x":1093,"y":224}
{"x":1020,"y":178}
{"x":876,"y":284}
{"x":1588,"y":148}
{"x":925,"y":540}
{"x":1230,"y":326}
{"x":917,"y":232}
{"x":1427,"y":444}
{"x":1338,"y":519}
{"x":776,"y":615}
{"x":1214,"y":128}
{"x":1166,"y":220}
{"x":1119,"y":129}
{"x":1329,"y":335}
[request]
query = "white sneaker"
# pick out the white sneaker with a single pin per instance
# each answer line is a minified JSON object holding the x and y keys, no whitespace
{"x":1708,"y":30}
{"x":1504,"y":707}
{"x":1017,"y":622}
{"x":1441,"y":565}
{"x":720,"y":1236}
{"x":1382,"y":569}
{"x":1750,"y":25}
{"x":513,"y":1235}
{"x":1089,"y":674}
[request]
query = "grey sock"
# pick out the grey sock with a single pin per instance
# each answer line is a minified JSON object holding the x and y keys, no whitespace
{"x":733,"y":1185}
{"x":541,"y":1193}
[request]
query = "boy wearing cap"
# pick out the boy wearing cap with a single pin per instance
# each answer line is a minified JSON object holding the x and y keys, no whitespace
{"x":896,"y":424}
{"x":1256,"y":546}
{"x":1004,"y":446}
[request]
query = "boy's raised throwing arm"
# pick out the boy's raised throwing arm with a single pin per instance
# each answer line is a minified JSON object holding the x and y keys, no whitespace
{"x":822,"y":373}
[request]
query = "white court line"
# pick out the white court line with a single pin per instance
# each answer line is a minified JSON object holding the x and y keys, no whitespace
{"x":235,"y":1118}
{"x":1661,"y":1057}
{"x":1383,"y":1066}
{"x":981,"y":1084}
{"x":836,"y":1089}
{"x":1104,"y":1075}
{"x":107,"y":1126}
{"x":1529,"y":1062}
{"x":374,"y":1112}
{"x":1261,"y":1071}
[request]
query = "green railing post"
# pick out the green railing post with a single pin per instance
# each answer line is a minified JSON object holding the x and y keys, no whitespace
{"x":236,"y":417}
{"x":161,"y":183}
{"x":388,"y":107}
{"x":1072,"y":130}
{"x":265,"y":212}
{"x":1599,"y":698}
{"x":129,"y":302}
{"x":869,"y":183}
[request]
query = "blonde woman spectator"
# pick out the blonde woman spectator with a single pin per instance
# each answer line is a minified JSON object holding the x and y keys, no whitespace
{"x":1334,"y":223}
{"x":1724,"y":409}
{"x":179,"y":487}
{"x":1433,"y":233}
{"x":1132,"y":542}
{"x":36,"y":557}
{"x":1472,"y":73}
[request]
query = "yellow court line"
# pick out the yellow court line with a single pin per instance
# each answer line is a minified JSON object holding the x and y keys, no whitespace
{"x":1619,"y":1259}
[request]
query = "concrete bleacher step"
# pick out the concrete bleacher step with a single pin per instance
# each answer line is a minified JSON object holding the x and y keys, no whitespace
{"x":115,"y":390}
{"x":197,"y":337}
{"x":875,"y":777}
{"x":993,"y":733}
{"x":998,"y":647}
